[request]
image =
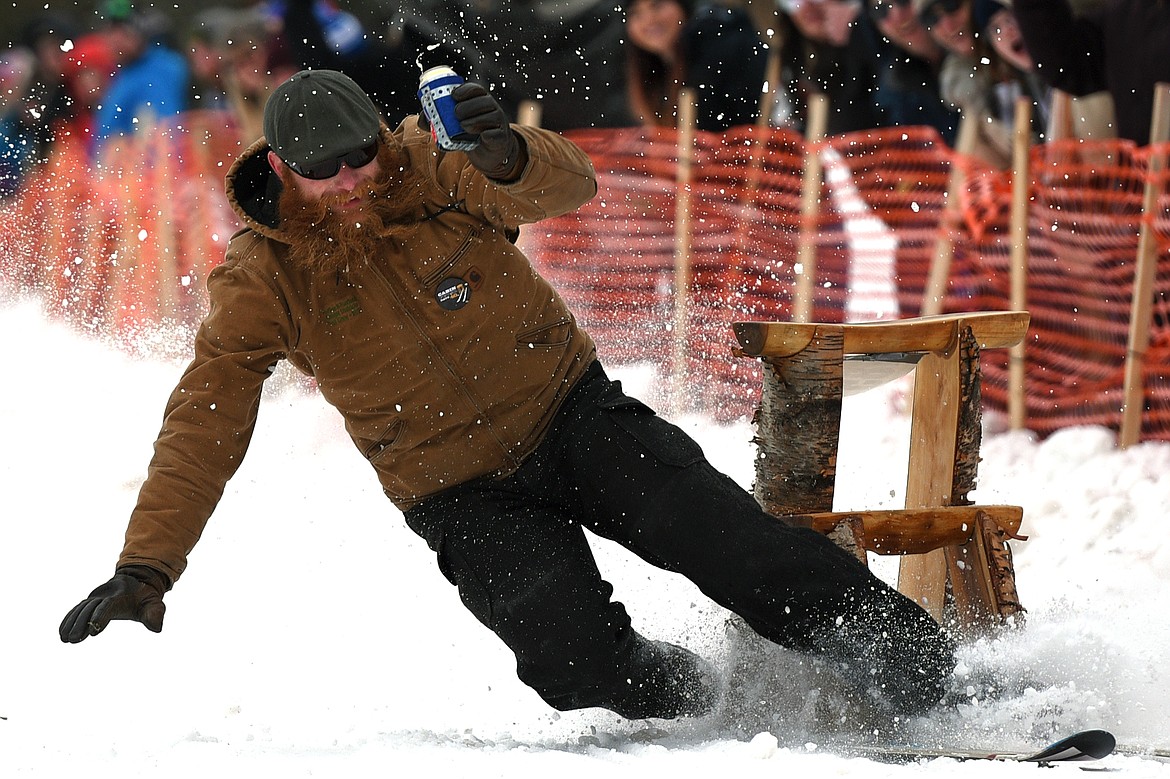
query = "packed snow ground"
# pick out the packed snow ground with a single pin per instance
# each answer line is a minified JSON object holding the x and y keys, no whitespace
{"x":313,"y":636}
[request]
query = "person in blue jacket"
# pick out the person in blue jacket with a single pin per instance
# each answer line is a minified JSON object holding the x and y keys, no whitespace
{"x":152,"y":80}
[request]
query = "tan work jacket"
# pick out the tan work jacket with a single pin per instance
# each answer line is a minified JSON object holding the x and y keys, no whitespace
{"x":446,"y":354}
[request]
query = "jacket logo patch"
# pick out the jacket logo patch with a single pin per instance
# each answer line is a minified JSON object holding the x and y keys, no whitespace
{"x":346,"y":309}
{"x":453,"y":293}
{"x":475,"y":277}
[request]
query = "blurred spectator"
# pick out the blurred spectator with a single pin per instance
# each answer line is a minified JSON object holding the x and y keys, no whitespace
{"x":48,"y":106}
{"x":576,"y":77}
{"x":949,"y":24}
{"x":836,"y":55}
{"x":974,"y":77}
{"x":565,"y":55}
{"x":255,"y":60}
{"x":236,"y":58}
{"x":209,"y":35}
{"x":712,"y":49}
{"x":1010,"y":63}
{"x":907,"y":70}
{"x":1120,"y":46}
{"x":318,"y":35}
{"x":965,"y":82}
{"x":16,"y":141}
{"x":996,"y":21}
{"x":342,"y":32}
{"x":898,"y":21}
{"x":89,"y":67}
{"x":152,"y":79}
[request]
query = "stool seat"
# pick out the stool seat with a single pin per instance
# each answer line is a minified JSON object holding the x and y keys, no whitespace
{"x":991,"y":329}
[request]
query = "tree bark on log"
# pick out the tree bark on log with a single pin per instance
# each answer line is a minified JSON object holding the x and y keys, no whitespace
{"x":798,"y":426}
{"x":981,"y":575}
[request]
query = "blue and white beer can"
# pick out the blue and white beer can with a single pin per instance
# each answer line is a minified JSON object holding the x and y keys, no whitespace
{"x":434,"y":92}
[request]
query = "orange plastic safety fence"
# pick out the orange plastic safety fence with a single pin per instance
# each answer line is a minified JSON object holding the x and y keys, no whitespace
{"x":871,"y":234}
{"x":901,"y":176}
{"x":1085,"y":216}
{"x":122,"y":246}
{"x":614,"y":258}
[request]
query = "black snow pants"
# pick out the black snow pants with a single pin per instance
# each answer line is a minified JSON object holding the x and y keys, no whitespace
{"x":515,"y":549}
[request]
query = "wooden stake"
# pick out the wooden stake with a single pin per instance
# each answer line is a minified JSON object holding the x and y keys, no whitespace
{"x":1060,"y":122}
{"x":687,"y":112}
{"x":1144,"y":272}
{"x":529,"y":114}
{"x":933,"y":434}
{"x":771,"y":84}
{"x":1022,"y":141}
{"x":944,"y":251}
{"x":759,"y":150}
{"x":810,"y":198}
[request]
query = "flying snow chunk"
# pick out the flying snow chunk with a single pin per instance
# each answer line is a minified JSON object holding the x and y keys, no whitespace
{"x":764,"y":745}
{"x":142,"y":235}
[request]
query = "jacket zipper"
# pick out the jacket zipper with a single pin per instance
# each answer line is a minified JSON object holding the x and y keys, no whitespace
{"x":451,"y":372}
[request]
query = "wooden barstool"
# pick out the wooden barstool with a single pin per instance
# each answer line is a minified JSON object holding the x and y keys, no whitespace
{"x":956,"y":562}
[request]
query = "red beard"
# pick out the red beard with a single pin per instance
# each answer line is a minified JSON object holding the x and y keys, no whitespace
{"x":326,"y":238}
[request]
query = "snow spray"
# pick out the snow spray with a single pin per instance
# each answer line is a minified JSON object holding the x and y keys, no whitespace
{"x":434,"y":92}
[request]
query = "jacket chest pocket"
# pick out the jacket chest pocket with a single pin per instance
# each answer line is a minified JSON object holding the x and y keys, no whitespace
{"x":452,"y":259}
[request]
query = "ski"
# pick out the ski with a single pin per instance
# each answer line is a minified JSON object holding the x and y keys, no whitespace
{"x":1086,"y":745}
{"x":1079,"y":747}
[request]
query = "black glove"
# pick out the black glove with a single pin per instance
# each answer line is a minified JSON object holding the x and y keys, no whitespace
{"x":135,"y":592}
{"x":500,"y":155}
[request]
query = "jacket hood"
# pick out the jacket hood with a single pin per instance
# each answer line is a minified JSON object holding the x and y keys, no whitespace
{"x":253,"y":188}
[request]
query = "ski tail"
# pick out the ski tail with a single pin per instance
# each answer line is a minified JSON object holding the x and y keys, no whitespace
{"x":1078,"y":747}
{"x":1086,"y":745}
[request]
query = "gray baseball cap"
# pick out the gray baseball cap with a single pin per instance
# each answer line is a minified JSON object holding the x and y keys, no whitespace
{"x":319,"y":115}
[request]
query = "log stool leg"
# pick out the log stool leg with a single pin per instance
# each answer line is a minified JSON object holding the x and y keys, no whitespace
{"x":798,"y":427}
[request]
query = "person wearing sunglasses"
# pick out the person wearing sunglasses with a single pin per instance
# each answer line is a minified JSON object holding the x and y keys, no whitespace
{"x":908,"y":70}
{"x":898,"y":22}
{"x":949,"y":23}
{"x":966,"y":81}
{"x":387,"y":269}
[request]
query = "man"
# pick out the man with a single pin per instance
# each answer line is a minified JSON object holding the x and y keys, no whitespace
{"x":385,"y":268}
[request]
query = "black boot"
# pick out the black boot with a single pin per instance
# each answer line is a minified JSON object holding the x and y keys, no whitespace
{"x":667,"y":681}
